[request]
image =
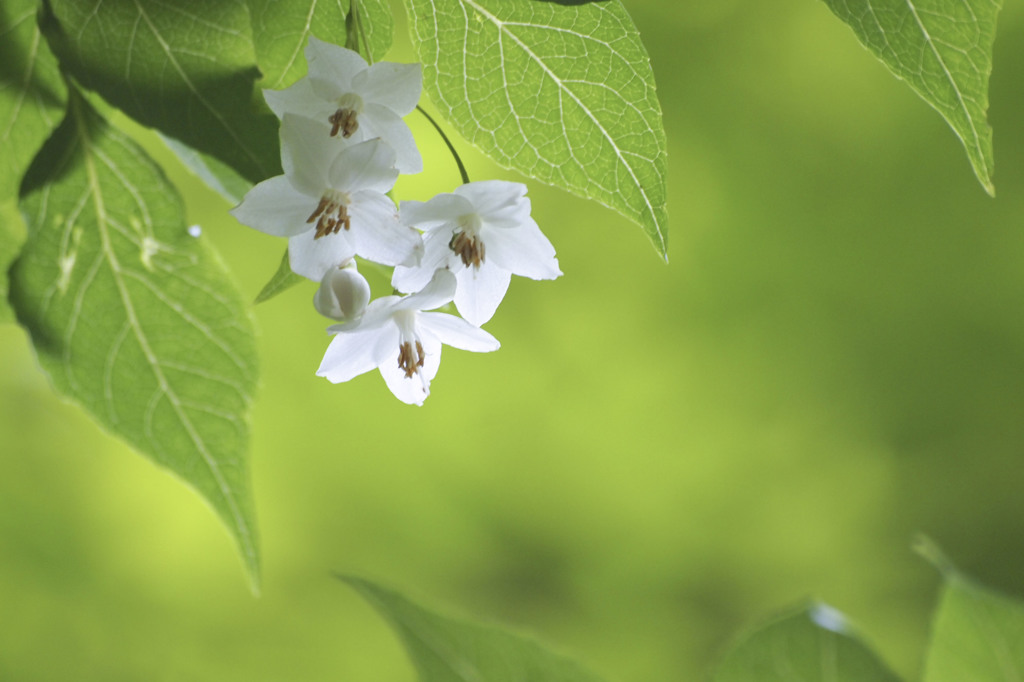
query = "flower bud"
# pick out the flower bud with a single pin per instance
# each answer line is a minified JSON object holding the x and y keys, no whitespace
{"x":343,"y":293}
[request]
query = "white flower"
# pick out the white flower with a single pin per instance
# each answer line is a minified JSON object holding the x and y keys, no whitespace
{"x":343,"y":293}
{"x":483,"y":233}
{"x":395,"y":336}
{"x":330,"y":203}
{"x":355,"y":100}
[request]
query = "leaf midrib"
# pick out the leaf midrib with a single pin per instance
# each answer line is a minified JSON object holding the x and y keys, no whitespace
{"x":500,"y":25}
{"x":245,"y":534}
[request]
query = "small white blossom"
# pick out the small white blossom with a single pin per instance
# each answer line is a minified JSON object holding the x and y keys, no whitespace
{"x":484,"y":234}
{"x":331,"y":203}
{"x":343,"y":293}
{"x":354,"y":100}
{"x":396,"y":336}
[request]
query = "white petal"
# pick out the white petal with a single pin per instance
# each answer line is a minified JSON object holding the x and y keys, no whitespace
{"x":367,"y":165}
{"x":439,"y":291}
{"x":524,"y":250}
{"x":313,"y":258}
{"x":274,"y":206}
{"x":351,"y":354}
{"x":298,"y":99}
{"x":415,"y":389}
{"x":307,"y":152}
{"x":378,"y":121}
{"x":480,"y":291}
{"x":343,"y":294}
{"x":395,"y":86}
{"x":331,"y":68}
{"x":457,"y":333}
{"x":436,"y":255}
{"x":443,"y":209}
{"x":376,"y":233}
{"x":494,"y":196}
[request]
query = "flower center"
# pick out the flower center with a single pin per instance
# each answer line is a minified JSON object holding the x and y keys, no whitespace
{"x":466,"y":241}
{"x":410,"y":350}
{"x":346,"y":116}
{"x":331,"y":214}
{"x":410,"y":360}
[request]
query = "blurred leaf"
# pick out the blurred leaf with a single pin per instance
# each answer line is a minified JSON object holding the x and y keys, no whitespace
{"x":186,"y":68}
{"x":813,"y":644}
{"x":943,"y":50}
{"x":446,"y":649}
{"x":281,"y":29}
{"x":282,"y":280}
{"x":561,"y":92}
{"x":135,"y":319}
{"x":977,"y":634}
{"x":218,"y":176}
{"x":379,"y":26}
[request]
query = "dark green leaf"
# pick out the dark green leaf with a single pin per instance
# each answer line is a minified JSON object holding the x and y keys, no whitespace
{"x":943,"y":50}
{"x":133,"y":317}
{"x":445,"y":649}
{"x":562,"y":92}
{"x":282,"y":280}
{"x":186,"y":68}
{"x":812,"y":645}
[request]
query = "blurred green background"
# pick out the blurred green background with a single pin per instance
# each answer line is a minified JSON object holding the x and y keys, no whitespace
{"x":658,"y":457}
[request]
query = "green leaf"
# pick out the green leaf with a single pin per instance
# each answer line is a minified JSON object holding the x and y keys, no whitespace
{"x":134,"y":318}
{"x":977,"y":634}
{"x":186,"y":68}
{"x":943,"y":50}
{"x":447,"y":649}
{"x":218,"y":176}
{"x":281,"y":29}
{"x":32,"y":93}
{"x":11,"y":239}
{"x":378,"y":25}
{"x":813,"y":644}
{"x":32,"y":99}
{"x":562,"y":92}
{"x":282,"y":280}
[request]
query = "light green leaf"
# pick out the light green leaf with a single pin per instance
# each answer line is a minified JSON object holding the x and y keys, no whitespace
{"x":134,"y":318}
{"x":977,"y":634}
{"x":282,"y":280}
{"x":281,"y":29}
{"x":445,"y":649}
{"x":218,"y":176}
{"x":562,"y":92}
{"x":186,"y":68}
{"x":812,"y":645}
{"x":378,"y":25}
{"x":943,"y":50}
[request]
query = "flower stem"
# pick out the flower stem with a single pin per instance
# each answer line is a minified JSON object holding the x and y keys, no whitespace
{"x":451,"y":147}
{"x":357,"y":32}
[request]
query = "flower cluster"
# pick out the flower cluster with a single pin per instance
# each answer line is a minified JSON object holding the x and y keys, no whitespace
{"x":343,"y":145}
